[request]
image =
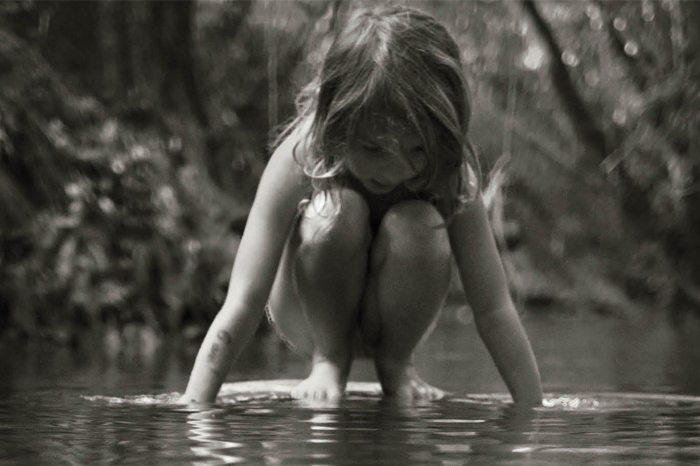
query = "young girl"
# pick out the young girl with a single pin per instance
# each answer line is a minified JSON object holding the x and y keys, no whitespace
{"x":366,"y":199}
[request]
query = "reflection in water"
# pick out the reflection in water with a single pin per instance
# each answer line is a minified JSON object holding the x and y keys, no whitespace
{"x":205,"y":431}
{"x":365,"y":431}
{"x":54,"y":411}
{"x":571,"y":429}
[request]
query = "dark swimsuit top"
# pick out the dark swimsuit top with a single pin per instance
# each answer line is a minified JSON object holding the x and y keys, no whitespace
{"x":380,"y":203}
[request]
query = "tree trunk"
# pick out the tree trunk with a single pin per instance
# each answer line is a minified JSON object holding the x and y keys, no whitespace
{"x":589,"y":130}
{"x":176,"y":74}
{"x":691,"y":12}
{"x":129,"y":53}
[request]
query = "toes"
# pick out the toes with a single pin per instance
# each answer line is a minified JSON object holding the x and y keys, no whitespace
{"x":304,"y":392}
{"x":298,"y":393}
{"x":416,"y":391}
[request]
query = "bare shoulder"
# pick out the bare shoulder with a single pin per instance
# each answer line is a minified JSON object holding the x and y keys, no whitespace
{"x":288,"y":155}
{"x":281,"y":189}
{"x":283,"y":184}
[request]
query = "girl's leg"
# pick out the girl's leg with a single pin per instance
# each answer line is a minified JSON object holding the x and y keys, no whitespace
{"x":409,"y":275}
{"x":317,"y":291}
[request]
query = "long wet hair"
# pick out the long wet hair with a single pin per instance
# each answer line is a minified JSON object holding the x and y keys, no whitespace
{"x":391,"y":60}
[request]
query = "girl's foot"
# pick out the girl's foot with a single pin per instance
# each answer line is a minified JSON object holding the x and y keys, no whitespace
{"x":400,"y":382}
{"x":325,"y":383}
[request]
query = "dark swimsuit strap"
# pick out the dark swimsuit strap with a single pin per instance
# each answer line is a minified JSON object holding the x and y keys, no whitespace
{"x":380,"y":203}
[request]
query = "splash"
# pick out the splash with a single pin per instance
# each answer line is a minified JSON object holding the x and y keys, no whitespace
{"x":611,"y":401}
{"x":279,"y":390}
{"x":160,"y":399}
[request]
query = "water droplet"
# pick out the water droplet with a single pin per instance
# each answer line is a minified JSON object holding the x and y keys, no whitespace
{"x":106,"y":205}
{"x":73,"y":190}
{"x":619,"y":116}
{"x":139,"y":152}
{"x":620,"y":23}
{"x":533,"y":57}
{"x":631,"y":48}
{"x":648,"y":14}
{"x":593,"y":11}
{"x":596,"y":23}
{"x":592,"y":78}
{"x":118,"y":166}
{"x":569,"y":58}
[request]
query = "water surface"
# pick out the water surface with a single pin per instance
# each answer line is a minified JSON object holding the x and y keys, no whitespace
{"x":617,"y":393}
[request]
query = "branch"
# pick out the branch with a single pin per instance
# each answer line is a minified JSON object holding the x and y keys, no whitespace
{"x":588,"y":129}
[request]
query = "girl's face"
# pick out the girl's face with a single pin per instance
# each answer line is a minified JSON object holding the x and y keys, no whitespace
{"x":384,"y":157}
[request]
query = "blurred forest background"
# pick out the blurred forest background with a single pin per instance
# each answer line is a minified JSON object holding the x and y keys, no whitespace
{"x":133,"y":134}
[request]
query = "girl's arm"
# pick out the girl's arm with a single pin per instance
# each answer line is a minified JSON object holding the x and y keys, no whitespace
{"x":282,"y":187}
{"x":486,"y":289}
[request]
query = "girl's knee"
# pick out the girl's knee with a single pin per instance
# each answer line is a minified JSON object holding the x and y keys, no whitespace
{"x":414,"y":229}
{"x":339,"y":220}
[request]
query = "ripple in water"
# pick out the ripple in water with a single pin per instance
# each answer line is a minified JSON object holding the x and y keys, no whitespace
{"x":257,"y":422}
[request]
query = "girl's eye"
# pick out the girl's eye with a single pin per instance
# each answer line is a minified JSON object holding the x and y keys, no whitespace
{"x":371,"y":148}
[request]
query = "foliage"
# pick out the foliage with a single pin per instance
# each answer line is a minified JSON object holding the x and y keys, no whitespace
{"x":129,"y":223}
{"x":115,"y":209}
{"x":629,"y":61}
{"x":112,"y":230}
